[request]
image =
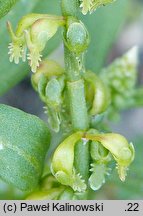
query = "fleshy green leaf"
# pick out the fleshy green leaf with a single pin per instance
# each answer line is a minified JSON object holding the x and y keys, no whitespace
{"x":24,"y":141}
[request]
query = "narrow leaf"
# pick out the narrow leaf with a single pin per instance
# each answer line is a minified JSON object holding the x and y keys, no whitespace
{"x":103,"y":26}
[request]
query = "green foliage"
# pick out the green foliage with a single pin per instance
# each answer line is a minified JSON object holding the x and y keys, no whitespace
{"x":74,"y":98}
{"x":103,"y":26}
{"x":106,"y":27}
{"x":23,"y":144}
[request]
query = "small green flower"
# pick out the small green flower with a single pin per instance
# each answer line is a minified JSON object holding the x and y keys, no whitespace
{"x":77,"y":37}
{"x":49,"y":69}
{"x":49,"y":82}
{"x":118,"y":146}
{"x":17,"y":48}
{"x":99,"y":167}
{"x":97,"y":93}
{"x":53,"y":100}
{"x":91,"y":5}
{"x":63,"y":164}
{"x":33,"y":31}
{"x":97,"y":178}
{"x":121,"y":78}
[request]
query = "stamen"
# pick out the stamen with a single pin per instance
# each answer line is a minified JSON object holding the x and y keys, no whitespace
{"x":14,"y":52}
{"x":78,"y":183}
{"x":35,"y":58}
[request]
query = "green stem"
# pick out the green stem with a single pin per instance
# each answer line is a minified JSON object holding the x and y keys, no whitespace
{"x":75,"y":82}
{"x":72,"y":65}
{"x":77,"y":103}
{"x":76,"y":97}
{"x":69,"y":8}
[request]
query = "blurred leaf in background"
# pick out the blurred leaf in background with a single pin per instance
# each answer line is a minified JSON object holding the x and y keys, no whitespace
{"x":104,"y":25}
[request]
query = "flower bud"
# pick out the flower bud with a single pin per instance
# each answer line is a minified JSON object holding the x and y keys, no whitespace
{"x":49,"y":82}
{"x":77,"y":37}
{"x":53,"y":96}
{"x":97,"y":94}
{"x":49,"y":69}
{"x":53,"y":93}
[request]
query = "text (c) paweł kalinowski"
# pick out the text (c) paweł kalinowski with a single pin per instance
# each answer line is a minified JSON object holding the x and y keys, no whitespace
{"x":61,"y":207}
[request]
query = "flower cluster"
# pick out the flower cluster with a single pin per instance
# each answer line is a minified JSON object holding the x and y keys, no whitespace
{"x":49,"y":81}
{"x":121,"y":77}
{"x":102,"y":148}
{"x":91,"y":5}
{"x":33,"y":32}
